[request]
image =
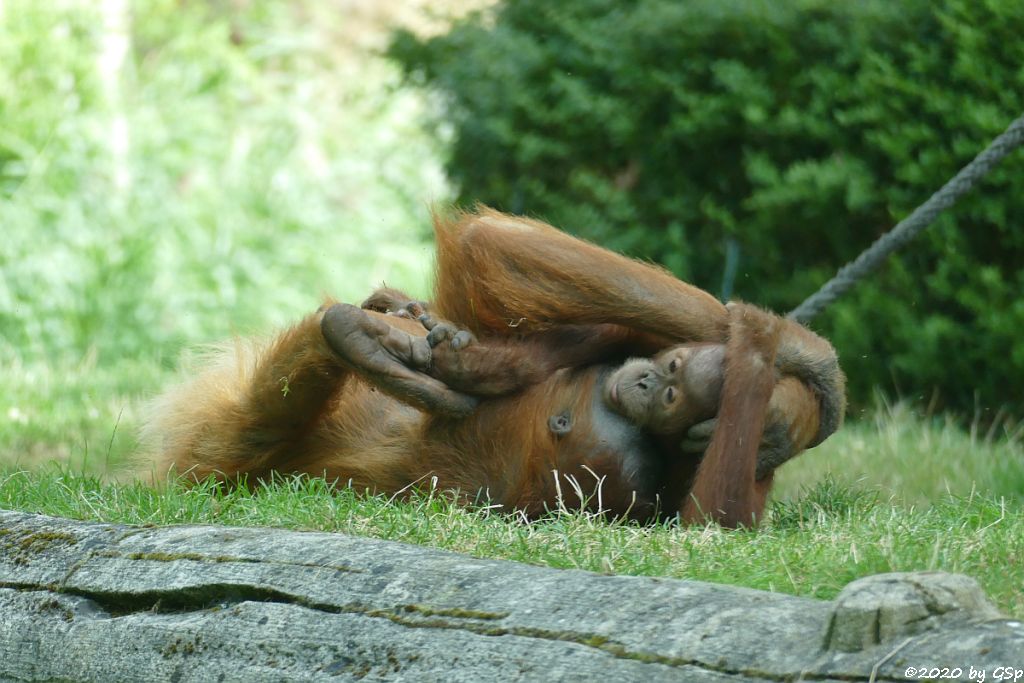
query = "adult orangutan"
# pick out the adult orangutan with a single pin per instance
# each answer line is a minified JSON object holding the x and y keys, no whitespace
{"x":552,"y":368}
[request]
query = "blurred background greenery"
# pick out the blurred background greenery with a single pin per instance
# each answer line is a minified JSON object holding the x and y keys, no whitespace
{"x":173,"y":172}
{"x":787,"y":134}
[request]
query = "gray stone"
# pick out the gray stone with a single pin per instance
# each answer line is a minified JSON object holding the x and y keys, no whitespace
{"x":100,"y":602}
{"x":881,"y":609}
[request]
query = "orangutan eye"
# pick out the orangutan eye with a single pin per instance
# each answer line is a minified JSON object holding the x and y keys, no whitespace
{"x":673,"y":365}
{"x":670,"y":395}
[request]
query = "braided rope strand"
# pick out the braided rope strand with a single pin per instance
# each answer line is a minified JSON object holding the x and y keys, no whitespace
{"x":909,"y":227}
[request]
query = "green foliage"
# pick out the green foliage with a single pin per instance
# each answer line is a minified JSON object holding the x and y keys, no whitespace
{"x":799,"y":131}
{"x":185,"y":171}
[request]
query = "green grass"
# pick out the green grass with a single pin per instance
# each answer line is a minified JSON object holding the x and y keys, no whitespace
{"x":812,"y":546}
{"x":913,"y":459}
{"x":78,"y":414}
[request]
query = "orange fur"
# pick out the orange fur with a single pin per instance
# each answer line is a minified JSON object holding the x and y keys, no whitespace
{"x":725,"y":485}
{"x":502,"y":274}
{"x":551,"y":311}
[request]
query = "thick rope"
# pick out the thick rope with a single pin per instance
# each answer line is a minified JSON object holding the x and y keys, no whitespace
{"x":910,"y":226}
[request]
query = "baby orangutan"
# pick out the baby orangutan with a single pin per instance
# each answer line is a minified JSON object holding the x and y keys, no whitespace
{"x":547,"y":371}
{"x":671,"y":392}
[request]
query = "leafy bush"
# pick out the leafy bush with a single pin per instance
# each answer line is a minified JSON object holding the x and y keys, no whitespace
{"x":789,"y":133}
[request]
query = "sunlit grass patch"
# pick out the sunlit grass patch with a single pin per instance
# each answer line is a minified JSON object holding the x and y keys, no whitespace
{"x":76,"y":413}
{"x":915,"y":458}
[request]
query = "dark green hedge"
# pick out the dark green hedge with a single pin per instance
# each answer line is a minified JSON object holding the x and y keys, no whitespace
{"x":796,"y":132}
